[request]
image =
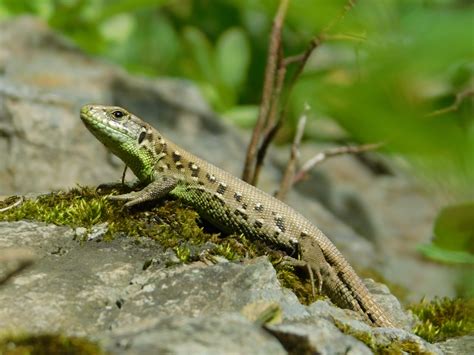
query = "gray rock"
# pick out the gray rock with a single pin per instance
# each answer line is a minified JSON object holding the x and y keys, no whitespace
{"x":319,"y":337}
{"x":122,"y":294}
{"x":455,"y":346}
{"x":39,"y":112}
{"x":197,"y":289}
{"x":226,"y":333}
{"x":391,"y":304}
{"x":73,"y":287}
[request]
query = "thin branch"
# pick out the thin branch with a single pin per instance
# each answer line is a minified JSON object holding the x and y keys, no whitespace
{"x":314,"y":43}
{"x":263,"y":150}
{"x":287,"y":180}
{"x":13,"y":205}
{"x":460,"y":97}
{"x":325,"y":155}
{"x":275,"y":105}
{"x":273,"y":50}
{"x":273,"y":87}
{"x":347,"y":7}
{"x":273,"y":125}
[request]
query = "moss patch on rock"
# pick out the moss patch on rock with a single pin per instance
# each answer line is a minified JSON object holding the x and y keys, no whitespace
{"x":47,"y":344}
{"x":443,"y":318}
{"x":170,"y":222}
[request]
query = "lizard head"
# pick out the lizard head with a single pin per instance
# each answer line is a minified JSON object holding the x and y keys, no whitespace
{"x":125,"y":135}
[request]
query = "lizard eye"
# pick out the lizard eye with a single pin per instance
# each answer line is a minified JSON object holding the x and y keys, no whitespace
{"x":141,"y":137}
{"x":118,"y":114}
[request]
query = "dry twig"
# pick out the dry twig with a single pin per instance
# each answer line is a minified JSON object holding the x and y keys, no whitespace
{"x":287,"y":180}
{"x":271,"y":67}
{"x":325,"y":155}
{"x":267,"y":123}
{"x":13,"y":205}
{"x":460,"y":97}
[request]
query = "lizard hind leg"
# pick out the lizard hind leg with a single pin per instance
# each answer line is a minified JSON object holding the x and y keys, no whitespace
{"x":312,"y":269}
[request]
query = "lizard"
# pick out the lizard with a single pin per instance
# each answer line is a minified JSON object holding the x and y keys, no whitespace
{"x":164,"y":168}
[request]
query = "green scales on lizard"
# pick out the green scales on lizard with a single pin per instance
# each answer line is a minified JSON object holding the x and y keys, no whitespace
{"x":228,"y":202}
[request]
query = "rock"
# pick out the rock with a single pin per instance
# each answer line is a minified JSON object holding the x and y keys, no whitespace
{"x":122,"y":294}
{"x":73,"y":286}
{"x":39,"y":112}
{"x":197,"y":289}
{"x":387,"y":339}
{"x":320,"y":337}
{"x":455,"y":346}
{"x":227,"y":333}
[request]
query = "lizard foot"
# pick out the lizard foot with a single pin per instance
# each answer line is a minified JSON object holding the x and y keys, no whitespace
{"x":304,"y":264}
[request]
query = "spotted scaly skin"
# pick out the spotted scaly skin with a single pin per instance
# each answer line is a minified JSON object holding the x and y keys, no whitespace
{"x":226,"y":201}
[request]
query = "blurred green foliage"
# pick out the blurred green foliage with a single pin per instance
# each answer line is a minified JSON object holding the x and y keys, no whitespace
{"x":381,"y":73}
{"x":453,"y":235}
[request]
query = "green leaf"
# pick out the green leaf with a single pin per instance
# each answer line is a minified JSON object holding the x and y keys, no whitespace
{"x":244,"y":115}
{"x":453,"y":235}
{"x":232,"y":57}
{"x":201,"y":52}
{"x":454,"y":228}
{"x":434,"y":252}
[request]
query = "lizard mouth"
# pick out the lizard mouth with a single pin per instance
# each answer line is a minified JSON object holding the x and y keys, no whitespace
{"x":106,"y":130}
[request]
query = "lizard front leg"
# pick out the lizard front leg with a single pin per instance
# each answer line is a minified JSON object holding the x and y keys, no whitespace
{"x":153,"y":191}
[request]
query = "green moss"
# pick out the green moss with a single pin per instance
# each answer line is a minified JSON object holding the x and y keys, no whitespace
{"x":298,"y":282}
{"x":394,"y":347}
{"x":78,"y":207}
{"x":47,"y":344}
{"x":171,"y":223}
{"x":444,"y":318}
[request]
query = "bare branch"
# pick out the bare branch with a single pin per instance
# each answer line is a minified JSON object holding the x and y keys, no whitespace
{"x":315,"y":42}
{"x":275,"y":73}
{"x":287,"y":180}
{"x":325,"y":155}
{"x":273,"y":125}
{"x":13,"y":205}
{"x":460,"y":97}
{"x":268,"y":87}
{"x":263,"y":150}
{"x":347,"y":7}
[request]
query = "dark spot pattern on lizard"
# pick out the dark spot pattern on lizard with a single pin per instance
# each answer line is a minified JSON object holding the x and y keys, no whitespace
{"x":221,"y":189}
{"x":240,"y":212}
{"x":258,"y":223}
{"x":194,"y":169}
{"x":219,"y":200}
{"x":176,"y":156}
{"x":164,"y":147}
{"x":238,"y":196}
{"x":210,"y":177}
{"x":179,"y":166}
{"x":280,"y":222}
{"x":258,"y":207}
